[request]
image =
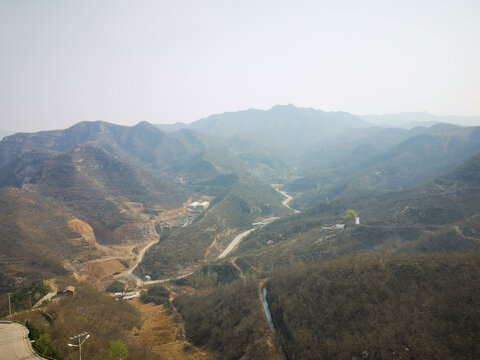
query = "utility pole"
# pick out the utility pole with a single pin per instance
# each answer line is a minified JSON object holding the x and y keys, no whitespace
{"x":9,"y":305}
{"x":80,"y":342}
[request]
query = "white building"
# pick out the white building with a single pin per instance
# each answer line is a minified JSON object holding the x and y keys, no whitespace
{"x":193,"y":205}
{"x":197,"y":206}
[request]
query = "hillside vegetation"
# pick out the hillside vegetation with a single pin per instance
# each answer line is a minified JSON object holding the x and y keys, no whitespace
{"x":229,"y":321}
{"x":384,"y":163}
{"x":380,"y":307}
{"x":94,"y":170}
{"x":180,"y":248}
{"x":440,"y":216}
{"x":104,"y":318}
{"x":35,"y":237}
{"x":401,"y":284}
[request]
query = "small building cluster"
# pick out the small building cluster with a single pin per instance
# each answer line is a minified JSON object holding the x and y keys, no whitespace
{"x":126,"y":295}
{"x":69,"y":291}
{"x":162,"y":226}
{"x":339,"y":226}
{"x":333,"y":227}
{"x":198,"y":206}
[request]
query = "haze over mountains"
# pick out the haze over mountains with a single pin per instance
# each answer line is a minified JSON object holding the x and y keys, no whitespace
{"x":409,"y":120}
{"x":96,"y":168}
{"x":4,"y":133}
{"x":406,"y":120}
{"x":74,"y":201}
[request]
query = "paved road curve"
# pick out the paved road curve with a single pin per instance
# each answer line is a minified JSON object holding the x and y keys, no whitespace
{"x":244,"y":234}
{"x":14,"y":342}
{"x":234,"y":243}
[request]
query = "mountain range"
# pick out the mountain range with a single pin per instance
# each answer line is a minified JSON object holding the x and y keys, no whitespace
{"x":96,"y":169}
{"x":91,"y":199}
{"x":409,"y":120}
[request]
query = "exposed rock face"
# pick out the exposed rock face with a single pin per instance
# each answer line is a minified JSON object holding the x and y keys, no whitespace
{"x":85,"y":231}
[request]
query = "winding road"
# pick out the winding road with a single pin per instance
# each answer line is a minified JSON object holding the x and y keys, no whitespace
{"x":287,"y":197}
{"x":234,"y":243}
{"x":14,"y":342}
{"x":140,"y":256}
{"x":244,"y":234}
{"x":139,"y":259}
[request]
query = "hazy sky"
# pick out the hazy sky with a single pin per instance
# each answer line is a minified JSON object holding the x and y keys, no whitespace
{"x":164,"y":61}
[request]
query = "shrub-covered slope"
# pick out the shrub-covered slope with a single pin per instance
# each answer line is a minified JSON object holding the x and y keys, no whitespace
{"x":381,"y":307}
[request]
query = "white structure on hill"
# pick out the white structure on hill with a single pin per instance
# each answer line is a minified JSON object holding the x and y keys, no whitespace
{"x":197,"y":206}
{"x":193,"y":205}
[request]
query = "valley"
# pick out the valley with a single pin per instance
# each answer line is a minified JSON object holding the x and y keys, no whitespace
{"x":359,"y":236}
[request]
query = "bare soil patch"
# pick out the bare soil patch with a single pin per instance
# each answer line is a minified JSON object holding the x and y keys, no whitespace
{"x":162,"y":335}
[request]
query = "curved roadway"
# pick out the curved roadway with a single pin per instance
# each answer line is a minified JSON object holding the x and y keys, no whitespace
{"x":287,"y":200}
{"x":244,"y":234}
{"x":227,"y":251}
{"x":234,"y":243}
{"x":14,"y":342}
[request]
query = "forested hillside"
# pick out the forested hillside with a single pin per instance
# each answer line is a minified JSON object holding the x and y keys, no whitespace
{"x":380,"y":306}
{"x":380,"y":262}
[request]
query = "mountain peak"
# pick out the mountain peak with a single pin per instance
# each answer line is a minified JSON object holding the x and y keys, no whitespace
{"x":283,"y":107}
{"x":143,"y":124}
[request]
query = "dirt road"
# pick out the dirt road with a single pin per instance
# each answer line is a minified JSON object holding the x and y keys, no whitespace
{"x":287,"y":197}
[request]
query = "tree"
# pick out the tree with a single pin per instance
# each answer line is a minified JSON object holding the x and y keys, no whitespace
{"x":118,"y":350}
{"x":350,"y":214}
{"x":157,"y":294}
{"x":116,"y":286}
{"x":43,"y":343}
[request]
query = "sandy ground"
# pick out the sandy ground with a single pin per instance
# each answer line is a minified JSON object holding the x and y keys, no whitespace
{"x":162,"y":335}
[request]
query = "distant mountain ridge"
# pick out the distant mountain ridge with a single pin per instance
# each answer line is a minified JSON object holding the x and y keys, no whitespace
{"x":4,"y":133}
{"x":143,"y":141}
{"x":409,"y":120}
{"x":97,"y":170}
{"x":282,"y":127}
{"x":383,"y":160}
